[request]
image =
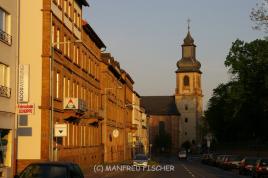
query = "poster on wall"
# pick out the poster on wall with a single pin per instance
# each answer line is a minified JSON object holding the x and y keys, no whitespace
{"x":23,"y":83}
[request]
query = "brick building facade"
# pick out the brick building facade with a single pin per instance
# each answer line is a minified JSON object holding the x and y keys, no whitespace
{"x":64,"y":68}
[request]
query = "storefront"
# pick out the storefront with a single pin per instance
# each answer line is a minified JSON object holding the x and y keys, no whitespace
{"x":6,"y":144}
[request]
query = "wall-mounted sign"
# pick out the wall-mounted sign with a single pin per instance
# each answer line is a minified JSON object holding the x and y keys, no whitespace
{"x":23,"y":83}
{"x":75,"y":104}
{"x":25,"y":109}
{"x":60,"y":130}
{"x":115,"y":133}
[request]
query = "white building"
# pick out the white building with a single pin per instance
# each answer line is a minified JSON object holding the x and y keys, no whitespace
{"x":8,"y":66}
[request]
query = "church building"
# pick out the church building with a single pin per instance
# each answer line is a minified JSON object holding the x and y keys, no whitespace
{"x":175,"y":119}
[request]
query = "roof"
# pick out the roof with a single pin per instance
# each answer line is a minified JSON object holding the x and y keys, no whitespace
{"x":93,"y":35}
{"x":159,"y":105}
{"x":83,"y":2}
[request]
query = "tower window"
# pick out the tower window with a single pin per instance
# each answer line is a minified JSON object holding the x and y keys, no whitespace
{"x":186,"y":120}
{"x":185,"y":133}
{"x":186,"y":81}
{"x":186,"y":107}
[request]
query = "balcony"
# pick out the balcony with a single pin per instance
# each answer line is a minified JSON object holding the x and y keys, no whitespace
{"x":5,"y":91}
{"x":6,"y":38}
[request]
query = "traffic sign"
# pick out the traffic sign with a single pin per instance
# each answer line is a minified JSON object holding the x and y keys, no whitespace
{"x":60,"y":130}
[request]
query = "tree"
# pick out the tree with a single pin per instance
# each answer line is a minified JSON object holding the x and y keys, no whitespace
{"x":259,"y":15}
{"x":238,"y":110}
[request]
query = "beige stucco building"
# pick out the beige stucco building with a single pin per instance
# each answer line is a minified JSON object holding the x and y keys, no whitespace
{"x":8,"y":67}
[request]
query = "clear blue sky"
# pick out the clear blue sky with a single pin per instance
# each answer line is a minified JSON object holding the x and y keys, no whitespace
{"x":145,"y":37}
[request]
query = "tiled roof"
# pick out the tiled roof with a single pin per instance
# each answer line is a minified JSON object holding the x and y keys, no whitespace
{"x":159,"y":105}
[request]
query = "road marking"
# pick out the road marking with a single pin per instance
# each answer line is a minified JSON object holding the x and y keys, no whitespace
{"x":189,"y":172}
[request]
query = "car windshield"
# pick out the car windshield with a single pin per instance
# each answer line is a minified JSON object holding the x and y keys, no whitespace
{"x":140,"y":157}
{"x":44,"y":171}
{"x":250,"y":160}
{"x":235,"y":158}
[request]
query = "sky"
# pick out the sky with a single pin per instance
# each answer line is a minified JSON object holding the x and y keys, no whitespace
{"x":145,"y":36}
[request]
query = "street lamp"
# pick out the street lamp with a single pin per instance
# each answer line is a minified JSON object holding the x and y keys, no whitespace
{"x":51,"y":115}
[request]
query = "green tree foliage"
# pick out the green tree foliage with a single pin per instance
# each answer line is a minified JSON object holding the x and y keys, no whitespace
{"x":238,"y":110}
{"x":259,"y":15}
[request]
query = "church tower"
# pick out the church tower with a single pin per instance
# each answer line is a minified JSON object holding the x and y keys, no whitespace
{"x":188,"y":93}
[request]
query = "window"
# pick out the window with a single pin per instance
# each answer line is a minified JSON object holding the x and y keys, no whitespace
{"x":74,"y":56}
{"x":57,"y":84}
{"x":68,"y":88}
{"x":58,"y":39}
{"x":186,"y":107}
{"x":69,"y":9}
{"x":65,"y":6}
{"x":65,"y":45}
{"x":78,"y":20}
{"x":52,"y":34}
{"x":77,"y":90}
{"x":64,"y":87}
{"x":68,"y":47}
{"x":186,"y":120}
{"x":5,"y":26}
{"x":4,"y":75}
{"x":75,"y":17}
{"x":77,"y":55}
{"x":186,"y":80}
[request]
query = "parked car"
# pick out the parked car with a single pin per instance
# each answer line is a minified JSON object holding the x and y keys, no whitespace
{"x":205,"y":158}
{"x":232,"y":162}
{"x":261,"y":168}
{"x":140,"y":160}
{"x":51,"y":170}
{"x":246,"y":165}
{"x":212,"y":159}
{"x":223,"y":161}
{"x":219,"y":160}
{"x":182,"y":154}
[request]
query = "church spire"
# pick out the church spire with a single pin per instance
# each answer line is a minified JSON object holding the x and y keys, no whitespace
{"x":188,"y":62}
{"x":188,"y":40}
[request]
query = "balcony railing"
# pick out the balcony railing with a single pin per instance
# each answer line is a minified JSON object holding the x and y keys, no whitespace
{"x":5,"y":91}
{"x":6,"y":38}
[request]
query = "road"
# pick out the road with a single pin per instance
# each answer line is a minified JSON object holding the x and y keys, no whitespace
{"x":182,"y":169}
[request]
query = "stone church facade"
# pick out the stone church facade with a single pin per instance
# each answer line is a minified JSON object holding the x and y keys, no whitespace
{"x":179,"y":114}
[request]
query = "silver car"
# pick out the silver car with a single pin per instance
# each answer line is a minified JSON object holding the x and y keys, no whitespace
{"x":140,"y":160}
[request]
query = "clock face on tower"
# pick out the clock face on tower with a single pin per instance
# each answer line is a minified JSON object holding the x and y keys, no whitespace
{"x":187,"y":51}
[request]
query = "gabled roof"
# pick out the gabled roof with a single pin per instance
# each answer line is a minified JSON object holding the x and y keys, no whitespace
{"x":159,"y":105}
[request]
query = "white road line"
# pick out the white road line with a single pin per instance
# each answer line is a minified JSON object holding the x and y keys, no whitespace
{"x":189,"y":172}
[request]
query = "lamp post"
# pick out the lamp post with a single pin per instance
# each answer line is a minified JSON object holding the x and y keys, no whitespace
{"x":51,"y":89}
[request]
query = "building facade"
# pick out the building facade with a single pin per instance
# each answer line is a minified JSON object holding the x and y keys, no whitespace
{"x":139,"y":125}
{"x":63,"y":55}
{"x":8,"y":95}
{"x":113,"y":106}
{"x":179,"y":115}
{"x":117,"y":87}
{"x":188,"y":92}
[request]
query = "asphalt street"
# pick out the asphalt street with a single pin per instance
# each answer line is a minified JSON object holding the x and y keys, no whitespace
{"x":182,"y":169}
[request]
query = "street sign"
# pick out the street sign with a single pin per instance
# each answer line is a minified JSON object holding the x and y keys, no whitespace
{"x":25,"y":109}
{"x":60,"y":130}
